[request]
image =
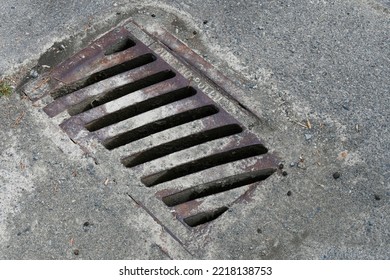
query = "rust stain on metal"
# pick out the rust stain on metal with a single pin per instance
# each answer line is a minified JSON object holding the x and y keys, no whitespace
{"x":93,"y":59}
{"x":246,"y":197}
{"x":267,"y":161}
{"x":182,"y":52}
{"x":166,"y":192}
{"x":188,"y":208}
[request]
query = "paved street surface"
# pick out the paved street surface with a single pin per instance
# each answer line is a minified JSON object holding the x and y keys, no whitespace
{"x":316,"y":73}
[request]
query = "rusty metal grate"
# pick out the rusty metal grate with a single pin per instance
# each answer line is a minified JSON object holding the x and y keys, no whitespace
{"x":163,"y":126}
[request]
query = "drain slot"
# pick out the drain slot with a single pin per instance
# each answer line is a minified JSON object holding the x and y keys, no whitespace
{"x":141,"y":107}
{"x":217,"y":186}
{"x":121,"y":45}
{"x":181,"y":144}
{"x":120,"y":91}
{"x":159,"y":125}
{"x":105,"y":74}
{"x":205,"y":217}
{"x":203,"y":163}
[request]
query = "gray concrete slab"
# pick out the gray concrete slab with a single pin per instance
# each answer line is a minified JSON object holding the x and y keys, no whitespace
{"x":315,"y":73}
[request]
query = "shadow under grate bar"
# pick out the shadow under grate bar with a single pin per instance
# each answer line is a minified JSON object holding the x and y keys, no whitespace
{"x":104,"y":74}
{"x":140,"y":107}
{"x":122,"y":108}
{"x":159,"y":125}
{"x":181,"y":144}
{"x":111,"y":88}
{"x":234,"y":154}
{"x":122,"y":91}
{"x":217,"y":186}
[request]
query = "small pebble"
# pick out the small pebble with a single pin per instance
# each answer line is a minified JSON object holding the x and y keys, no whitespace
{"x":35,"y":156}
{"x":76,"y":252}
{"x":377,"y":197}
{"x":308,"y":136}
{"x":281,"y":165}
{"x":345,"y":107}
{"x":336,"y":175}
{"x":33,"y":73}
{"x":284,"y":173}
{"x":289,"y":193}
{"x":86,"y":226}
{"x":292,"y":164}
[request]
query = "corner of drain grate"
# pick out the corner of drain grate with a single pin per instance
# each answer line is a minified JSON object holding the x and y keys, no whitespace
{"x":170,"y":116}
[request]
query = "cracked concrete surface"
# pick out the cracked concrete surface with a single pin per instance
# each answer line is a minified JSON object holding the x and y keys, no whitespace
{"x":323,"y":65}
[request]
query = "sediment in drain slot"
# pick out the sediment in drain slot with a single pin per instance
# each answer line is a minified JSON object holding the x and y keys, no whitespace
{"x":104,"y":74}
{"x":203,"y":163}
{"x":217,"y":186}
{"x":159,"y":125}
{"x":205,"y":217}
{"x":121,"y":45}
{"x":181,"y":144}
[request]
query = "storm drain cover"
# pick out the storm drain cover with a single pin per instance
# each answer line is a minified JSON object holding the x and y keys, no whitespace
{"x":166,"y":114}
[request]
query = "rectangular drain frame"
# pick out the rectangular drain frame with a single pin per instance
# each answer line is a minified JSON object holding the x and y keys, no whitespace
{"x":92,"y":84}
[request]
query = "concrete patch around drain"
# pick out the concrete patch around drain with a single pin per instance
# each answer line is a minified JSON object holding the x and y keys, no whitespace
{"x":172,"y":119}
{"x":13,"y":184}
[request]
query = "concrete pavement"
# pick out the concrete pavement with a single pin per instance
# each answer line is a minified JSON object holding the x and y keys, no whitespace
{"x":316,"y":73}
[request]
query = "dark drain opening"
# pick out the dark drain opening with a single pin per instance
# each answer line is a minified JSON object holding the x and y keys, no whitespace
{"x":159,"y":125}
{"x":181,"y":144}
{"x":121,"y":45}
{"x":217,"y":186}
{"x":205,"y":217}
{"x":203,"y":163}
{"x":105,"y":74}
{"x":120,"y":91}
{"x":141,"y":107}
